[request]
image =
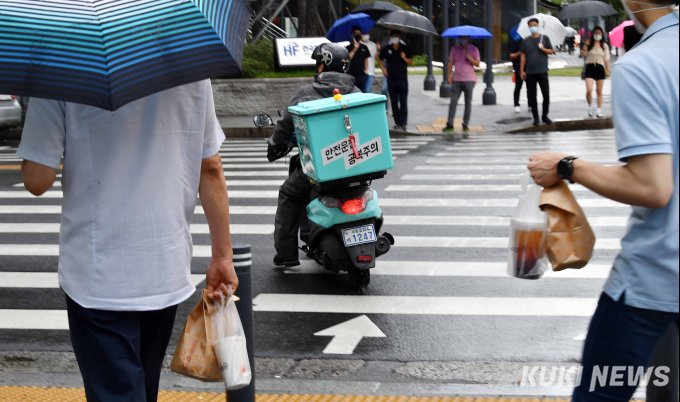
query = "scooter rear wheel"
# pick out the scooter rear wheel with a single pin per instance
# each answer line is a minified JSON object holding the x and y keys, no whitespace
{"x":359,"y":278}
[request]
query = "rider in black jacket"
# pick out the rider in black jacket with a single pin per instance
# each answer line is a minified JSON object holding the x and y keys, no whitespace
{"x":332,"y":63}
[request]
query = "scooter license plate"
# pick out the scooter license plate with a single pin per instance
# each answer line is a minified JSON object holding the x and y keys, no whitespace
{"x":359,"y":235}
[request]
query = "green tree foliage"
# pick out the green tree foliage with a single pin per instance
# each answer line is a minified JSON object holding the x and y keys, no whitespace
{"x":258,"y":59}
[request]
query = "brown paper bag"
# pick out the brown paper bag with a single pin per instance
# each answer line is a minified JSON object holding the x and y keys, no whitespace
{"x":570,"y":240}
{"x":194,"y":356}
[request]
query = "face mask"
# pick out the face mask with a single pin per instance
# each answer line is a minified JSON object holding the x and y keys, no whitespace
{"x":365,"y":38}
{"x":357,"y":38}
{"x":533,"y":30}
{"x":631,"y":14}
{"x":597,"y":37}
{"x":394,"y":41}
{"x":464,"y":42}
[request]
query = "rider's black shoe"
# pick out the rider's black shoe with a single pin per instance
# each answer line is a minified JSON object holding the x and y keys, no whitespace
{"x":280,"y":262}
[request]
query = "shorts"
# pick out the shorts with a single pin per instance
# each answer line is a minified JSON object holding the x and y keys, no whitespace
{"x":595,"y":72}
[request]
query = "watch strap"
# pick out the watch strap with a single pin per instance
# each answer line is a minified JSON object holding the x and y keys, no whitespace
{"x":569,"y":160}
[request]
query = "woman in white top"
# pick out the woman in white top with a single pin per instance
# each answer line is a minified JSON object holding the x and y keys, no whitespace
{"x":597,"y":68}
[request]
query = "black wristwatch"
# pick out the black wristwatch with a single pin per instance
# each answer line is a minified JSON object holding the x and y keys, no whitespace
{"x":565,"y":168}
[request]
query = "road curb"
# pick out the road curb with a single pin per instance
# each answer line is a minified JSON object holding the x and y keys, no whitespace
{"x":568,"y":125}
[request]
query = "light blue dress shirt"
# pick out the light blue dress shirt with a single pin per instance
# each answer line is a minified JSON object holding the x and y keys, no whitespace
{"x":645,"y":85}
{"x":130,"y":183}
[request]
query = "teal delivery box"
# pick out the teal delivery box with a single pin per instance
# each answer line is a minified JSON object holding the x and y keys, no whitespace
{"x":325,"y":129}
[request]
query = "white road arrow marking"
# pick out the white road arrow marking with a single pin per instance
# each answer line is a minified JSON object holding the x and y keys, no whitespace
{"x":346,"y":336}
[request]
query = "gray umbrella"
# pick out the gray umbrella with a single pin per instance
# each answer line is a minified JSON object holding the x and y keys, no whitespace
{"x":376,"y":9}
{"x":586,"y":9}
{"x":409,"y":22}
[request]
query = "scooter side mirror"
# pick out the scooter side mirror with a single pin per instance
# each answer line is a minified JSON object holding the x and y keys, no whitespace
{"x":281,"y":111}
{"x":263,"y":120}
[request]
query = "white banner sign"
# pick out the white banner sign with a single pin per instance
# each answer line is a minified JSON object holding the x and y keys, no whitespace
{"x":297,"y":52}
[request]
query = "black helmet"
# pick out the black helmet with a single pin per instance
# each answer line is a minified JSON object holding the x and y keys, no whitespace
{"x":333,"y":56}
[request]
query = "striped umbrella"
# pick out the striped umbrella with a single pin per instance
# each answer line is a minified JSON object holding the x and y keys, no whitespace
{"x":107,"y":53}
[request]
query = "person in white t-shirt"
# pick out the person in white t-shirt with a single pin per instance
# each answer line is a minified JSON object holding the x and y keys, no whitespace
{"x":366,"y":40}
{"x":130,"y":182}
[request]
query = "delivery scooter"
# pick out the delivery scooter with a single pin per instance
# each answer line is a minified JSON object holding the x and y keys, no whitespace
{"x":343,"y":215}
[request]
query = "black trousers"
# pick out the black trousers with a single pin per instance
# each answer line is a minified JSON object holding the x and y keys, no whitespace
{"x":293,"y":200}
{"x":519,"y":82}
{"x":544,"y":83}
{"x":398,"y":90}
{"x":120,"y":353}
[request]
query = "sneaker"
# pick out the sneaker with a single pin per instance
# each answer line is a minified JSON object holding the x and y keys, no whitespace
{"x":396,"y":127}
{"x":537,"y":122}
{"x":280,"y":262}
{"x":591,"y":112}
{"x":547,"y":120}
{"x":599,"y":114}
{"x":448,"y":129}
{"x":403,"y":128}
{"x":518,"y":109}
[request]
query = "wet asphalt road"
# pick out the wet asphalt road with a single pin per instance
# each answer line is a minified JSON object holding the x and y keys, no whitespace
{"x":456,"y":310}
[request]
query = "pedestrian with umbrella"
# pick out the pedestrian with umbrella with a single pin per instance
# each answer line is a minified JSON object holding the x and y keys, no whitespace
{"x":464,"y":57}
{"x":359,"y":55}
{"x":398,"y":57}
{"x":536,"y":47}
{"x":516,"y":58}
{"x":597,"y":57}
{"x":376,"y":10}
{"x":130,"y":178}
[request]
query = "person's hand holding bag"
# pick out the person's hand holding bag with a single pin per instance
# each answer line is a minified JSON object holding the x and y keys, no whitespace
{"x":229,"y":343}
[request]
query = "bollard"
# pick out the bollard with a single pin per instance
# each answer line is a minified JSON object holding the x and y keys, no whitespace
{"x":242,"y":265}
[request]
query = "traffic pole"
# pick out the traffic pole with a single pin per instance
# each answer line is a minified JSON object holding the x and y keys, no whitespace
{"x":242,"y":264}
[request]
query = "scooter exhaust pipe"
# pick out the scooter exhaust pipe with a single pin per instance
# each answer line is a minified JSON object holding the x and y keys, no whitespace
{"x":383,"y":244}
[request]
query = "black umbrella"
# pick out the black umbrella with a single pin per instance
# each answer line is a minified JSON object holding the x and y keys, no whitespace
{"x":409,"y":22}
{"x":376,"y":9}
{"x":586,"y":9}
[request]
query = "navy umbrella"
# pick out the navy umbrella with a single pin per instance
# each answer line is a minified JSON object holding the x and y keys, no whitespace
{"x":341,"y":30}
{"x":109,"y":53}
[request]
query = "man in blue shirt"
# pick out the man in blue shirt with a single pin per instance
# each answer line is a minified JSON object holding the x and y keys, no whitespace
{"x":640,"y":299}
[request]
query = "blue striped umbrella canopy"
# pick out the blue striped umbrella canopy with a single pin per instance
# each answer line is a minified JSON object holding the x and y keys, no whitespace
{"x":107,"y":53}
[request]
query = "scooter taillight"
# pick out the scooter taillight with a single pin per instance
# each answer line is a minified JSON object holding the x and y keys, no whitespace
{"x":353,"y":207}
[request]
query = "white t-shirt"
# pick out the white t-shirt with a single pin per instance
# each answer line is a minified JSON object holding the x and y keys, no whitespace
{"x":130,"y":183}
{"x":371,"y":60}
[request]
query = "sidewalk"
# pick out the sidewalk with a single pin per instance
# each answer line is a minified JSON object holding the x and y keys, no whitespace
{"x":426,"y":108}
{"x":39,"y":394}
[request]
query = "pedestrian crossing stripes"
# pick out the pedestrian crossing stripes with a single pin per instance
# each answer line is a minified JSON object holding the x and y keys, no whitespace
{"x":49,"y":280}
{"x":330,"y":304}
{"x":448,"y":206}
{"x":59,"y":194}
{"x":195,"y":228}
{"x":478,"y":306}
{"x":479,"y":242}
{"x":495,"y":167}
{"x":454,"y":220}
{"x":458,"y":269}
{"x":495,"y":160}
{"x":466,"y":187}
{"x":56,"y":209}
{"x":230,"y":183}
{"x":591,"y":154}
{"x":563,"y":148}
{"x":485,"y":203}
{"x":402,"y":241}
